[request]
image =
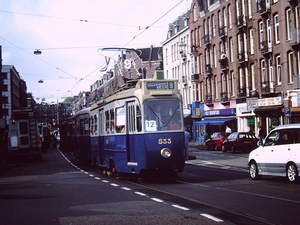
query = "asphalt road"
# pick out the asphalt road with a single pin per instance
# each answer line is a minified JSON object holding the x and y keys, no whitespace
{"x":56,"y":191}
{"x":214,"y":188}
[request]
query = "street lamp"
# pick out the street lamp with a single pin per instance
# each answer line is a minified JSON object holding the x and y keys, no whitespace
{"x":37,"y":52}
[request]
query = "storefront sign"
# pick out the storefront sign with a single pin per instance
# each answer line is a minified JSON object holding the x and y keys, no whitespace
{"x":252,"y":103}
{"x":270,"y":101}
{"x":220,"y":112}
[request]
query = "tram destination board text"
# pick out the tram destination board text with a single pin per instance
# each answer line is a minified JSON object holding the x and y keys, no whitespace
{"x":160,"y":85}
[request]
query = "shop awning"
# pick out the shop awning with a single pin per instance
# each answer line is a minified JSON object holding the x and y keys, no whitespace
{"x":267,"y":108}
{"x":215,"y":121}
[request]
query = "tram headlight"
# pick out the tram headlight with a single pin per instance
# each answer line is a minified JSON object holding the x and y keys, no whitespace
{"x":165,"y":152}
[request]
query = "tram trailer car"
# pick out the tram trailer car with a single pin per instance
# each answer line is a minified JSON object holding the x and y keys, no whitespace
{"x":140,"y":129}
{"x":24,"y":136}
{"x":81,"y":140}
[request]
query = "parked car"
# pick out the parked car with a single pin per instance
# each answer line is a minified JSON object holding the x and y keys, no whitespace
{"x":240,"y":141}
{"x":216,"y":140}
{"x":278,"y":154}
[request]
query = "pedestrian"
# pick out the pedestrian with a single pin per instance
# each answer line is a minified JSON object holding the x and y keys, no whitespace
{"x":261,"y":134}
{"x":186,"y":140}
{"x":228,"y":129}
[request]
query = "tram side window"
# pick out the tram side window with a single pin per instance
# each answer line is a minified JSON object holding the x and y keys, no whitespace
{"x":95,"y":125}
{"x":109,"y":121}
{"x":86,"y":126}
{"x":120,"y":119}
{"x":92,"y":125}
{"x":77,"y":127}
{"x":138,"y":118}
{"x":81,"y":127}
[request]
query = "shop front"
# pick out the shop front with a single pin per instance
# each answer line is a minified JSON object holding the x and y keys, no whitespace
{"x":214,"y":121}
{"x":246,"y":119}
{"x":270,"y":112}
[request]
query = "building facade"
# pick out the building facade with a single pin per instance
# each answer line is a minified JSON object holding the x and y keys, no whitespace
{"x":248,"y":64}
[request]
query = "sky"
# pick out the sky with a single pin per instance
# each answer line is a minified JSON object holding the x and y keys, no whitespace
{"x":71,"y":34}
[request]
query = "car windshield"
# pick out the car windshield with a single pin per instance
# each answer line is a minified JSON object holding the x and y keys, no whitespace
{"x":162,"y":114}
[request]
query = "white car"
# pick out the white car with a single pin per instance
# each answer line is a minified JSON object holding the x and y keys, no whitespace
{"x":278,"y":154}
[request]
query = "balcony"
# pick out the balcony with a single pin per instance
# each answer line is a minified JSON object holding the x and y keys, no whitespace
{"x":208,"y":70}
{"x":242,"y":92}
{"x":209,"y":101}
{"x":266,"y":47}
{"x":195,"y":77}
{"x":207,"y":39}
{"x":294,"y":2}
{"x":224,"y":64}
{"x":241,"y":22}
{"x":242,"y":57}
{"x":263,"y":7}
{"x":223,"y":32}
{"x":194,"y":50}
{"x":225,"y":99}
{"x":295,"y":36}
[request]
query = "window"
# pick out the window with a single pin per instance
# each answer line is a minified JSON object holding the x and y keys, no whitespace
{"x":290,"y":67}
{"x":109,"y":121}
{"x":201,"y":91}
{"x":232,"y":83}
{"x":276,"y":28}
{"x":261,"y":34}
{"x":214,"y":56}
{"x":252,"y":71}
{"x":229,"y":17}
{"x":288,"y":23}
{"x":195,"y":14}
{"x":213,"y":25}
{"x":251,"y":32}
{"x":224,"y":17}
{"x":163,"y":114}
{"x":263,"y":70}
{"x":297,"y":9}
{"x":271,"y":76}
{"x":250,"y":8}
{"x":278,"y":70}
{"x":120,"y":119}
{"x":269,"y":32}
{"x":216,"y":90}
{"x":231,"y":51}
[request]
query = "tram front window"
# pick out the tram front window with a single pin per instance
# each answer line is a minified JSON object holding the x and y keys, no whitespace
{"x":162,"y":115}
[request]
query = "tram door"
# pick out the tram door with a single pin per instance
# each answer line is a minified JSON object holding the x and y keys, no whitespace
{"x":130,"y":131}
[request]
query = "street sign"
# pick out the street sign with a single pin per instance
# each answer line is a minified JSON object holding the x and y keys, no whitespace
{"x":287,"y":112}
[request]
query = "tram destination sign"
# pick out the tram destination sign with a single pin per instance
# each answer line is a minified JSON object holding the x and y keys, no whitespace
{"x":162,"y":85}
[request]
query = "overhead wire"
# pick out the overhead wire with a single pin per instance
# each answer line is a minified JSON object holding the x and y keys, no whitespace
{"x":83,"y":20}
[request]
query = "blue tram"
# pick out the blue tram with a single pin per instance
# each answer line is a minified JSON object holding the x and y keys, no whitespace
{"x":135,"y":130}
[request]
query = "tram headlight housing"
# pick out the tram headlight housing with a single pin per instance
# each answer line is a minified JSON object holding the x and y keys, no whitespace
{"x":165,"y":152}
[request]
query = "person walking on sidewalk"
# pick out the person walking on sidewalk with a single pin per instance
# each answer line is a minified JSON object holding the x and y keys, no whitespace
{"x":187,"y":140}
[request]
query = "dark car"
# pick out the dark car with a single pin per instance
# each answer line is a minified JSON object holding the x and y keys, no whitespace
{"x":216,"y":140}
{"x":240,"y":141}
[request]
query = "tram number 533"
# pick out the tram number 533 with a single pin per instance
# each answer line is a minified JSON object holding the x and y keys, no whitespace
{"x":164,"y":141}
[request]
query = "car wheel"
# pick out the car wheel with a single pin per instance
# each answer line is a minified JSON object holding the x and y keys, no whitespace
{"x":253,"y":171}
{"x":292,"y":172}
{"x":224,"y":149}
{"x":232,"y":149}
{"x":207,"y":148}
